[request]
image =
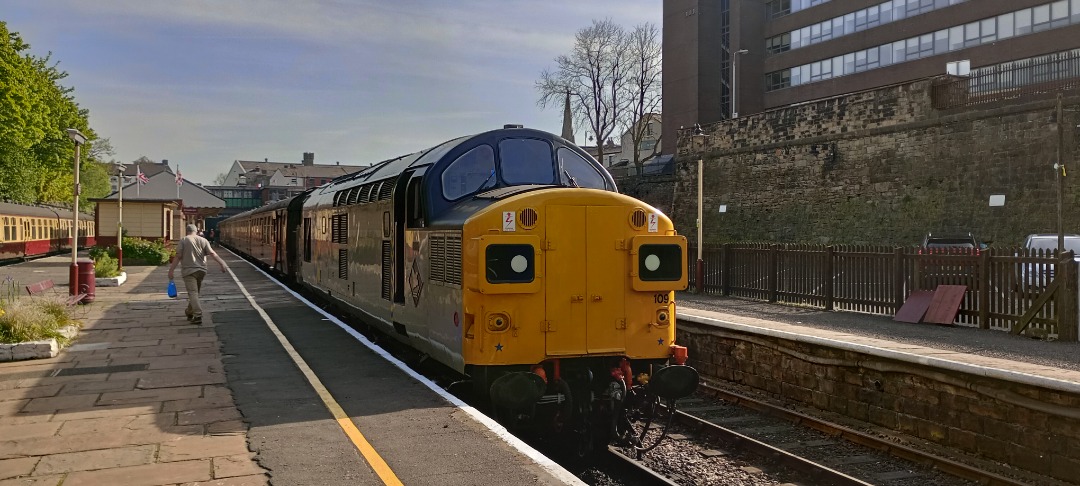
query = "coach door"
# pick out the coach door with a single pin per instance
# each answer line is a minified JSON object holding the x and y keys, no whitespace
{"x":585,"y":279}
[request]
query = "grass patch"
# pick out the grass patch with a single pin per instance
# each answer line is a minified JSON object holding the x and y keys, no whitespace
{"x":35,"y":318}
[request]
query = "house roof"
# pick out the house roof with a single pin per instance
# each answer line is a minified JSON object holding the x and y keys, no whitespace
{"x":162,"y":187}
{"x":150,"y":169}
{"x":289,"y":169}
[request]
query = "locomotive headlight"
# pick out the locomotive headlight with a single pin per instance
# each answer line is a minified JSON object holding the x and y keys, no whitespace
{"x":660,"y":262}
{"x":513,"y":263}
{"x":508,"y":264}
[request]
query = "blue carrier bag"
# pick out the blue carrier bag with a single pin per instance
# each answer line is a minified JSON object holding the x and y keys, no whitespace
{"x":172,"y":289}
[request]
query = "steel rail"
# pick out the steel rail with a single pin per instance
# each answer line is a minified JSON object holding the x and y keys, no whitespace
{"x":819,"y":473}
{"x":640,"y":467}
{"x":897,"y":450}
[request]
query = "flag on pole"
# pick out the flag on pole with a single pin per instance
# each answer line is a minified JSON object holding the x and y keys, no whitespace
{"x":141,"y":177}
{"x":179,"y":177}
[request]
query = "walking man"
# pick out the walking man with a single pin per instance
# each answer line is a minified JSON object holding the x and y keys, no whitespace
{"x":191,"y":254}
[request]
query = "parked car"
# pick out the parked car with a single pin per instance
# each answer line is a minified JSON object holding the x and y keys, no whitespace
{"x":955,"y":266}
{"x":1041,"y":274}
{"x":954,"y":244}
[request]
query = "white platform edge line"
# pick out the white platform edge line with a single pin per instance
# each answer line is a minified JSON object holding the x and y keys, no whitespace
{"x":1025,"y":378}
{"x":541,"y":460}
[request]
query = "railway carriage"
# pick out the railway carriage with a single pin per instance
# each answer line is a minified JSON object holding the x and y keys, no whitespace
{"x":507,"y":256}
{"x":31,"y":231}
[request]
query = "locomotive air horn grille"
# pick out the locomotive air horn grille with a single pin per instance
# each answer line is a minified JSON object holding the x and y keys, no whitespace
{"x":637,"y":218}
{"x":528,"y":218}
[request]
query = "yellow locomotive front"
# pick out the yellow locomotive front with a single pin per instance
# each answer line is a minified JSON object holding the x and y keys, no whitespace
{"x":570,"y":292}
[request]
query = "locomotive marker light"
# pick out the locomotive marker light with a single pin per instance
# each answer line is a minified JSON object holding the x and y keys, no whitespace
{"x":73,"y":276}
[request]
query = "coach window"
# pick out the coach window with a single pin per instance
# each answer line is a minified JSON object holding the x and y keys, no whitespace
{"x":525,"y":161}
{"x":471,"y":172}
{"x":575,"y":171}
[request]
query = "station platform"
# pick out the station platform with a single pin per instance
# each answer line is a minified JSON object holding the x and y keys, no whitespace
{"x":268,"y":390}
{"x":998,"y":354}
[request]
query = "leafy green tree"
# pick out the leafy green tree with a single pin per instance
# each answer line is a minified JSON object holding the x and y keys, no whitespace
{"x":36,"y":155}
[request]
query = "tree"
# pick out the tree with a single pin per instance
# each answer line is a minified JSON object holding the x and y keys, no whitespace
{"x":594,"y":74}
{"x":643,"y":89}
{"x":219,"y":180}
{"x":36,"y":155}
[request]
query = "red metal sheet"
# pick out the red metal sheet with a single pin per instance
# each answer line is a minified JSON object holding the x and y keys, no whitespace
{"x":945,"y":304}
{"x":915,"y":306}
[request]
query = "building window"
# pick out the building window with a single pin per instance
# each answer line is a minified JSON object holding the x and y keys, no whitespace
{"x":777,"y":80}
{"x":779,"y":43}
{"x":985,"y":31}
{"x":777,"y":8}
{"x":857,"y":21}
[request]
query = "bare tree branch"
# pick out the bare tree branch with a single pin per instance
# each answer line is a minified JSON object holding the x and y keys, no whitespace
{"x":643,"y":90}
{"x":594,"y":74}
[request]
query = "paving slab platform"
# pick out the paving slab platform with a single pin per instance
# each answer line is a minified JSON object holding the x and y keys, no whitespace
{"x":144,"y":398}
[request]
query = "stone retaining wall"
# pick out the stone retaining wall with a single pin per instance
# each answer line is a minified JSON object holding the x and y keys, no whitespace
{"x":1028,"y":427}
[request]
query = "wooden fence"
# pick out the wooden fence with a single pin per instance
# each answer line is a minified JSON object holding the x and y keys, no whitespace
{"x":1009,"y":289}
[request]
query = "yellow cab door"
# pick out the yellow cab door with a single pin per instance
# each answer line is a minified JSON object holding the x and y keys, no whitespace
{"x":606,"y":278}
{"x":565,"y":280}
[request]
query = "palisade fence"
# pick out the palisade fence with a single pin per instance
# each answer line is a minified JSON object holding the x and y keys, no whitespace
{"x":1051,"y":73}
{"x":1008,"y":289}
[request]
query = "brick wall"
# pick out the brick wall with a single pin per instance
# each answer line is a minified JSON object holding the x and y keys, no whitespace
{"x":888,"y":168}
{"x":1028,"y":427}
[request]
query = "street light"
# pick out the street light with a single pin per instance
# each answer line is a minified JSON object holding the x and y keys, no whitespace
{"x":120,"y":220}
{"x":699,"y":271}
{"x":734,"y":57}
{"x":73,"y":276}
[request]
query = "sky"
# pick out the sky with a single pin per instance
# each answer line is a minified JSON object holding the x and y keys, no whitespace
{"x":205,"y":82}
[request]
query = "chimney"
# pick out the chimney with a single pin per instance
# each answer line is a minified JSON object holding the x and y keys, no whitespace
{"x":337,"y":163}
{"x":309,"y":158}
{"x":165,"y":162}
{"x":266,"y":159}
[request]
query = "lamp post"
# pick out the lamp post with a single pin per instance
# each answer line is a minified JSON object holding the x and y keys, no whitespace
{"x":120,"y":221}
{"x":734,"y":57}
{"x":699,"y":270}
{"x":73,"y":276}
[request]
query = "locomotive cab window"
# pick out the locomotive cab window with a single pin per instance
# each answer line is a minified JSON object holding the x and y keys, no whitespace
{"x":526,"y":161}
{"x":469,"y":173}
{"x":415,"y":203}
{"x":575,"y":171}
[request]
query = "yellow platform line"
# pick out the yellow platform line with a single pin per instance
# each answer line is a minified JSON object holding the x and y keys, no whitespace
{"x":344,"y":421}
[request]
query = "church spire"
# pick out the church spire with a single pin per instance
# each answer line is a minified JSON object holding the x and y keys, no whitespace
{"x":567,"y":123}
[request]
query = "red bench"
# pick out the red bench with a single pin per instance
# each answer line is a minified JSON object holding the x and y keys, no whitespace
{"x":37,"y":288}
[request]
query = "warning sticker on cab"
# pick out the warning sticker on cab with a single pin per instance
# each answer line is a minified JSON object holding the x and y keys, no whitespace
{"x":654,"y":222}
{"x":509,"y":221}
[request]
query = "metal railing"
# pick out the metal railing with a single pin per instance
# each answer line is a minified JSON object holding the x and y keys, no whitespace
{"x":1051,"y":73}
{"x":1005,"y":287}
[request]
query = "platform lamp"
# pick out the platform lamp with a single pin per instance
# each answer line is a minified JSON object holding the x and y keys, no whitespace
{"x":73,"y":276}
{"x":699,"y":270}
{"x":120,"y":169}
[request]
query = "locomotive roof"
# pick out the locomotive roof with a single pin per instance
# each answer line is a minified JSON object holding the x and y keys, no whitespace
{"x":12,"y":209}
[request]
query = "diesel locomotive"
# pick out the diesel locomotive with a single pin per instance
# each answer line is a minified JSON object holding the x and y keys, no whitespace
{"x":507,"y":256}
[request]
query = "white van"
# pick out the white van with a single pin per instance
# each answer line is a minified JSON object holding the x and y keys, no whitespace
{"x":1042,"y":274}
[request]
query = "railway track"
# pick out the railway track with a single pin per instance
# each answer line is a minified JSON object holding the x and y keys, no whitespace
{"x":789,"y":444}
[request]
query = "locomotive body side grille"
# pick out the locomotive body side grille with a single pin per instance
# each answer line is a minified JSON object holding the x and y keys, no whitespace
{"x":453,"y":259}
{"x":437,"y":258}
{"x":385,"y":190}
{"x":343,"y":264}
{"x":386,"y":264}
